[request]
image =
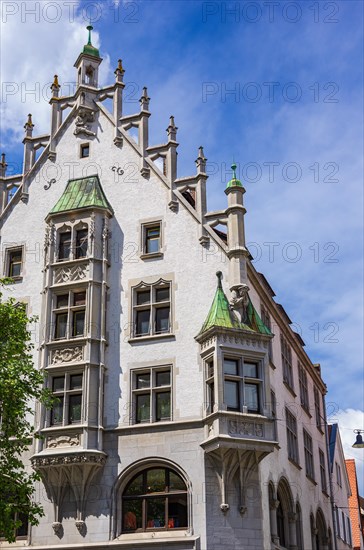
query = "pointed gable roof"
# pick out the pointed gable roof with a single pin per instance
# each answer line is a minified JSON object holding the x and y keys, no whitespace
{"x":221,"y":315}
{"x":82,"y":193}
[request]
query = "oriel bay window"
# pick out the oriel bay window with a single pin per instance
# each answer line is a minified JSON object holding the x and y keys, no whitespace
{"x":152,"y":394}
{"x":67,"y":407}
{"x":72,"y":244}
{"x":242,"y":385}
{"x":69,"y":314}
{"x":152,"y":309}
{"x":155,"y":499}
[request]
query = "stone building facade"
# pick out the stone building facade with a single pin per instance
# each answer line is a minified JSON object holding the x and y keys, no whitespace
{"x":188,"y":415}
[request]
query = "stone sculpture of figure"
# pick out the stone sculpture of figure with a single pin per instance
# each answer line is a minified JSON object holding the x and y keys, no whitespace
{"x":239,"y":301}
{"x":82,"y":120}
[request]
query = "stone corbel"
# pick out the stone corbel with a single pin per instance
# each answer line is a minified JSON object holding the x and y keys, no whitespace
{"x":224,"y":461}
{"x":248,"y":463}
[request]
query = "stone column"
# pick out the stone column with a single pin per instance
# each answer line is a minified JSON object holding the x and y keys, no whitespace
{"x":292,"y":518}
{"x":273,"y":505}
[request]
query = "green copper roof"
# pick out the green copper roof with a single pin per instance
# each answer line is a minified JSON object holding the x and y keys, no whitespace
{"x":82,"y":193}
{"x":234,"y":182}
{"x":89,"y":48}
{"x":221,"y":315}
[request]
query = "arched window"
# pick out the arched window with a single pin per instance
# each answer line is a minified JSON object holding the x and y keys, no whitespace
{"x":281,"y":525}
{"x":321,"y":535}
{"x":154,"y":499}
{"x":299,"y":534}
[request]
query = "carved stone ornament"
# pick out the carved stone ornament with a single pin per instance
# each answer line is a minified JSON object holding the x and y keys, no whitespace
{"x":57,"y":527}
{"x":67,"y":355}
{"x":63,"y":441}
{"x":66,"y":274}
{"x":82,"y":123}
{"x":245,"y":428}
{"x":81,"y":525}
{"x":239,"y":301}
{"x":224,"y":507}
{"x":64,"y":460}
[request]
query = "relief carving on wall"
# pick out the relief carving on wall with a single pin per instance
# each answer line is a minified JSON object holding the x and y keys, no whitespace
{"x":66,"y":355}
{"x":63,"y":441}
{"x":65,"y":274}
{"x":245,"y":428}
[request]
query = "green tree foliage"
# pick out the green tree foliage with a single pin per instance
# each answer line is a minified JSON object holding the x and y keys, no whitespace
{"x":20,"y":385}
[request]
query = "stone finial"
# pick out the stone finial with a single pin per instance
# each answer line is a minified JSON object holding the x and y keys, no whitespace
{"x":55,"y":86}
{"x":144,"y":100}
{"x":219,"y":279}
{"x":119,"y":71}
{"x":172,"y":130}
{"x":55,"y":82}
{"x":201,"y":161}
{"x":3,"y":166}
{"x":28,"y":126}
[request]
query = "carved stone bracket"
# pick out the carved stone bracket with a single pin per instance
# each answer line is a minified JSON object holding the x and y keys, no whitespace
{"x":227,"y":462}
{"x":74,"y":470}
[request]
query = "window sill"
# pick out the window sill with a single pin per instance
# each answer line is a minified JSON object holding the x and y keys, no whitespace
{"x":311,"y":479}
{"x":307,"y":411}
{"x":291,"y":390}
{"x":295,"y":463}
{"x":17,"y":279}
{"x":151,"y":337}
{"x":151,"y":256}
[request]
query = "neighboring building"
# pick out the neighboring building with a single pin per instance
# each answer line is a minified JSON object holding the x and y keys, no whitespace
{"x":356,"y":507}
{"x":341,"y":490}
{"x":189,"y":415}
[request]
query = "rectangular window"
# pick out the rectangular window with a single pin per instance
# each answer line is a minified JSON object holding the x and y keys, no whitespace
{"x":344,"y":526}
{"x":273,"y":402}
{"x":323,"y":471}
{"x":302,"y":375}
{"x":64,"y":246}
{"x":338,"y":474}
{"x":316,"y":395}
{"x":292,"y":443}
{"x":267,"y":321}
{"x":152,"y":389}
{"x":348,"y":530}
{"x":81,"y":243}
{"x":307,"y":443}
{"x":85,"y":150}
{"x":67,"y":408}
{"x":14,"y":260}
{"x":152,"y":310}
{"x":210,"y":382}
{"x":242,"y":385}
{"x":152,"y":242}
{"x":286,"y":353}
{"x":69,"y":315}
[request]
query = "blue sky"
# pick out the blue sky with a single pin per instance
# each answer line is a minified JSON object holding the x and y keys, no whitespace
{"x":292,"y":121}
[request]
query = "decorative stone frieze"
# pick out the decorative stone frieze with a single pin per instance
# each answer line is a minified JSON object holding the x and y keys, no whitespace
{"x":253,"y":429}
{"x":64,"y":460}
{"x":63,"y":441}
{"x":74,"y":273}
{"x":67,"y":355}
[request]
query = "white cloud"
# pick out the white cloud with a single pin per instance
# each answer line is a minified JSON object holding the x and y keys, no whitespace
{"x":348,"y":421}
{"x":28,"y":64}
